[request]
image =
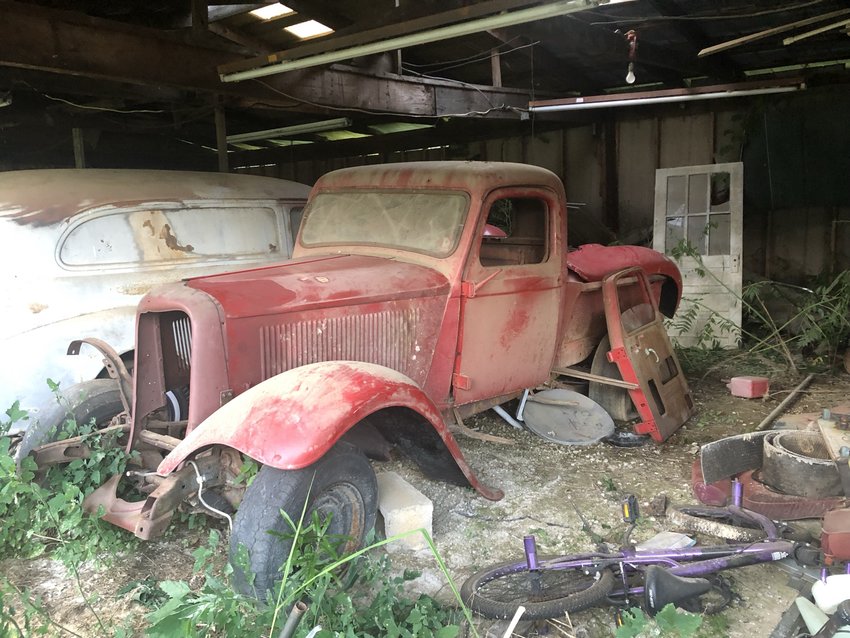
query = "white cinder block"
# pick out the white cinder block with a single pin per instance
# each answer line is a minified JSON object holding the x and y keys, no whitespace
{"x":404,"y":508}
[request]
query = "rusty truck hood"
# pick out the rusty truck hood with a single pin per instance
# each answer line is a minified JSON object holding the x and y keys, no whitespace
{"x":311,"y":283}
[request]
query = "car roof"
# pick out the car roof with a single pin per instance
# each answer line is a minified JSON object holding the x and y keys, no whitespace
{"x":474,"y":177}
{"x":48,"y":196}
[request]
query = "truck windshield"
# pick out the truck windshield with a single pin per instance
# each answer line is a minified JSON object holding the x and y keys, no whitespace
{"x":424,"y":222}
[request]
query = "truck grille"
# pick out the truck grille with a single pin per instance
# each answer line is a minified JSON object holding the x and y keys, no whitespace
{"x":181,"y":331}
{"x":386,"y":338}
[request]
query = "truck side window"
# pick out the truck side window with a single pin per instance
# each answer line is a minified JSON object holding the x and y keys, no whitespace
{"x":523,"y":221}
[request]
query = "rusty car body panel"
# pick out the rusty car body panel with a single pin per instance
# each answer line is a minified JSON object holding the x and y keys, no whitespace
{"x":396,"y":308}
{"x":81,"y":247}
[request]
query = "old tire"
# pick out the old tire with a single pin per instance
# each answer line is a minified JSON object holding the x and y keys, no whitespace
{"x":341,"y":485}
{"x":616,"y":401}
{"x":98,"y":399}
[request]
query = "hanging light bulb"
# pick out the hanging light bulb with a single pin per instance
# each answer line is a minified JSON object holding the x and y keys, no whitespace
{"x":631,"y":38}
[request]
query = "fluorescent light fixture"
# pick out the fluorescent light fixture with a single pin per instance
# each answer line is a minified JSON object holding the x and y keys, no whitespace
{"x":297,"y":129}
{"x":497,"y":21}
{"x":272,"y":11}
{"x":397,"y":127}
{"x":308,"y":29}
{"x":335,"y":136}
{"x":289,"y":142}
{"x":654,"y":97}
{"x":247,"y":147}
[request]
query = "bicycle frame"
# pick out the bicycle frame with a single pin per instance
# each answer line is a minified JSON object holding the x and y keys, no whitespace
{"x":688,"y":561}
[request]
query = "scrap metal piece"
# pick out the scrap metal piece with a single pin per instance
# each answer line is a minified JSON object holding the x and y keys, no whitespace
{"x":732,"y":455}
{"x":798,"y":463}
{"x":564,"y":416}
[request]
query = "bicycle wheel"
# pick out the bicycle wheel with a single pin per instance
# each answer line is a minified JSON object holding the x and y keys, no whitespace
{"x":498,"y":590}
{"x":722,"y":523}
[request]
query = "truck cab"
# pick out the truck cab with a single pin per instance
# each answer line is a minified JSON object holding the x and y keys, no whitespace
{"x":417,"y":294}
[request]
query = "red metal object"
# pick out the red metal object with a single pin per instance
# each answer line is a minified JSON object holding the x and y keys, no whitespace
{"x":291,"y":420}
{"x":644,"y":355}
{"x":760,"y":498}
{"x":281,"y":361}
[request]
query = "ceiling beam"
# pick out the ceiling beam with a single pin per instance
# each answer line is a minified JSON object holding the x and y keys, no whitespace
{"x":396,"y":28}
{"x":69,"y":44}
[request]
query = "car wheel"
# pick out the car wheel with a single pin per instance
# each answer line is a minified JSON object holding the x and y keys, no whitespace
{"x":341,"y":485}
{"x":98,"y":399}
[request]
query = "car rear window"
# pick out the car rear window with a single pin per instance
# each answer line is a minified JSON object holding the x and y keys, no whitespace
{"x":151,"y":236}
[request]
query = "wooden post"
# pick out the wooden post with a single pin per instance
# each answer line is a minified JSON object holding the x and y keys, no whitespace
{"x":79,"y":148}
{"x":496,"y":67}
{"x":221,"y":137}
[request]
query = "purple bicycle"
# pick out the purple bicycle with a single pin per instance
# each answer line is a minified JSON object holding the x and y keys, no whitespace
{"x":550,"y":587}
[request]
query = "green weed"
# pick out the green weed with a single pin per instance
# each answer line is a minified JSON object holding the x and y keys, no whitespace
{"x":349,"y":596}
{"x":669,"y":622}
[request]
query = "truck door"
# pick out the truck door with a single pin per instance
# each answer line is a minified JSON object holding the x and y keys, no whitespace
{"x":511,"y":295}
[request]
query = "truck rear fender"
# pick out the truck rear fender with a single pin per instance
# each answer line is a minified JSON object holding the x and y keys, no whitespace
{"x":291,"y":420}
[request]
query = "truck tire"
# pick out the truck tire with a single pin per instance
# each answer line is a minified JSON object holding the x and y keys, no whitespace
{"x":341,"y":485}
{"x":98,"y":399}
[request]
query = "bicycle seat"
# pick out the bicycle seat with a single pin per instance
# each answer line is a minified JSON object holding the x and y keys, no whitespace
{"x":661,"y":587}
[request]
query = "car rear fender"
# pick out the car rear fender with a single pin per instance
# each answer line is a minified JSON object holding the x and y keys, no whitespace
{"x":291,"y":420}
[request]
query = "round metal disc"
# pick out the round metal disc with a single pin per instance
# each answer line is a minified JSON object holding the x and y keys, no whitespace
{"x":564,"y":416}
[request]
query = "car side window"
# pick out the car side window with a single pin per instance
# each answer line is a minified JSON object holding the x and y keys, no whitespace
{"x":295,"y":215}
{"x":150,"y":236}
{"x":516,"y":233}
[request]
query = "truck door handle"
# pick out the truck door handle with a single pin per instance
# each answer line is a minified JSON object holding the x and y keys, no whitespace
{"x":469,"y":289}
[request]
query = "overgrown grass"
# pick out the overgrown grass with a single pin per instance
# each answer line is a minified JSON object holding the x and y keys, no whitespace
{"x":804,"y":327}
{"x":349,"y":596}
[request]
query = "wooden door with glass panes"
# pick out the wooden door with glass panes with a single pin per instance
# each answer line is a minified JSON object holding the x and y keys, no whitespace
{"x":699,"y":222}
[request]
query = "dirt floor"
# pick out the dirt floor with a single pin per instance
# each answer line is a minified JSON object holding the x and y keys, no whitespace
{"x":545,"y":485}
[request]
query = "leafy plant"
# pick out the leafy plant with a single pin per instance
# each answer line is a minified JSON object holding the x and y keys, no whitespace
{"x":669,"y":622}
{"x":790,"y":321}
{"x":349,"y":596}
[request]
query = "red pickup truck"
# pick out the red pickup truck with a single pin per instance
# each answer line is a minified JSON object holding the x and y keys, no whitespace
{"x":417,"y":293}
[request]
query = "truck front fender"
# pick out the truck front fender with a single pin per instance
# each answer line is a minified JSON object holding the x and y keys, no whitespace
{"x":290,"y":420}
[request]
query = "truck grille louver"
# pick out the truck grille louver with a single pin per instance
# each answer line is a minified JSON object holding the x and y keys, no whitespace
{"x":386,"y":338}
{"x":182,"y":332}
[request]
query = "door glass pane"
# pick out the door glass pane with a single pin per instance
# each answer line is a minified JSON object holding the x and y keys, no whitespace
{"x":515,"y":234}
{"x":675,"y":233}
{"x":697,"y":232}
{"x":698,"y":194}
{"x":719,"y":234}
{"x":676,"y":192}
{"x":720,"y":192}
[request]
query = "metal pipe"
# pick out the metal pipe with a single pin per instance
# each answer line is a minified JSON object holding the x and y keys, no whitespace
{"x":779,"y":408}
{"x":497,"y":21}
{"x":298,"y":610}
{"x":498,"y":409}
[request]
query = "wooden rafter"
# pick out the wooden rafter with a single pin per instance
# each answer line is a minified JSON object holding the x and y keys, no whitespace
{"x":70,"y":44}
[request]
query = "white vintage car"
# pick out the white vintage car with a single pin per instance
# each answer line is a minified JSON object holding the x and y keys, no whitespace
{"x":79,"y":248}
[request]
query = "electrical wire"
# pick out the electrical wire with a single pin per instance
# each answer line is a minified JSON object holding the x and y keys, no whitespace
{"x":475,"y":56}
{"x":481,"y":57}
{"x":100,"y":108}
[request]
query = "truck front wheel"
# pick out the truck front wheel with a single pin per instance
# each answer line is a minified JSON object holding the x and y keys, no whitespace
{"x":341,"y":486}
